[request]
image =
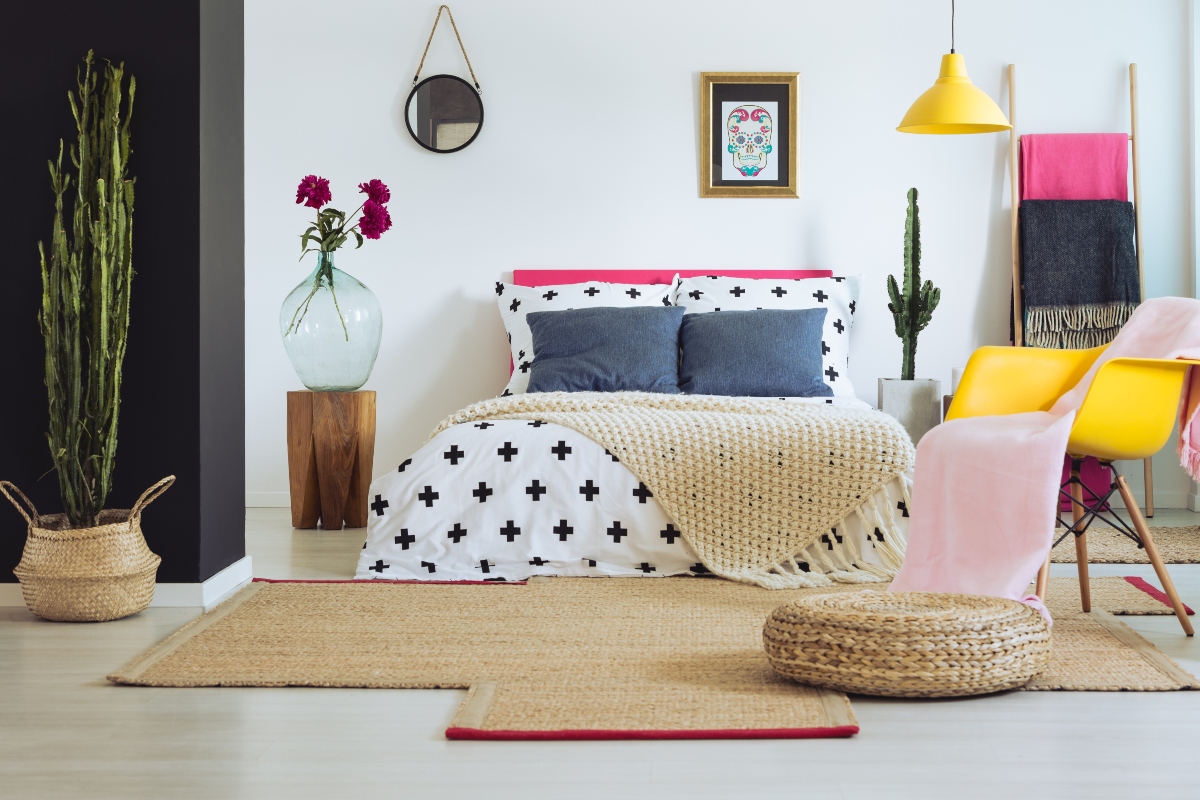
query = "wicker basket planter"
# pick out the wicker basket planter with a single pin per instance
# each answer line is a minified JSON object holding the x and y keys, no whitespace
{"x":908,"y":644}
{"x":86,"y":574}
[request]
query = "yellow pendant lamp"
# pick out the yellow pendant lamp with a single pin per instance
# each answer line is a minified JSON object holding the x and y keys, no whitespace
{"x":954,"y":104}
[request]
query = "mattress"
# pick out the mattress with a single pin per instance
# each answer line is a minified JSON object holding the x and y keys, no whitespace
{"x":506,"y":500}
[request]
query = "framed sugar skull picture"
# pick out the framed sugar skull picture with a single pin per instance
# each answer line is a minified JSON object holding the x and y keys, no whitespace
{"x":748,"y":134}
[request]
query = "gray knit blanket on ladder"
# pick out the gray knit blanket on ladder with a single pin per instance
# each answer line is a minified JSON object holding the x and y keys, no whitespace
{"x":1079,"y":275}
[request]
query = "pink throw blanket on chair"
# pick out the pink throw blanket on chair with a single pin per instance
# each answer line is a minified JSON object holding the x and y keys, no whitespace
{"x":1075,"y":166}
{"x":965,"y":540}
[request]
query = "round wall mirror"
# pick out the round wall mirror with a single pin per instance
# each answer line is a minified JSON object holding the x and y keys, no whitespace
{"x":444,"y":113}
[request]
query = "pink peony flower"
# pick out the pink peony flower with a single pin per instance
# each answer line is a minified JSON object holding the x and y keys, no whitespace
{"x":313,"y":192}
{"x":375,"y":220}
{"x":376,"y":190}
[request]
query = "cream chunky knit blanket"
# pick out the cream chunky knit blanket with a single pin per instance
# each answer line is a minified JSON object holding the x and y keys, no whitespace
{"x":750,"y":482}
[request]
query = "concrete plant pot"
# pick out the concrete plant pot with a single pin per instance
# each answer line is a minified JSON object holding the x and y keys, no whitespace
{"x":916,"y":404}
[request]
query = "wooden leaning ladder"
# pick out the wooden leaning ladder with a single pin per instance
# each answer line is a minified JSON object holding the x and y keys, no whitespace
{"x":1013,"y":155}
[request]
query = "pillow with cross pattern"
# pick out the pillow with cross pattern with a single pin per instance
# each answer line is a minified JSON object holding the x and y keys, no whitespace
{"x":516,"y":302}
{"x":839,"y":295}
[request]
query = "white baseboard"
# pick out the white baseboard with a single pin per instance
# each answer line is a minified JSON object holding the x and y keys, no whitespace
{"x":173,"y":595}
{"x":207,"y":594}
{"x":268,"y":500}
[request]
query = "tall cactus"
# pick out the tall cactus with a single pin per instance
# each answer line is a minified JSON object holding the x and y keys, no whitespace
{"x":912,"y":308}
{"x":86,"y":277}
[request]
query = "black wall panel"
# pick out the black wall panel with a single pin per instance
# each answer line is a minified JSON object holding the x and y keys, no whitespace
{"x":160,"y":429}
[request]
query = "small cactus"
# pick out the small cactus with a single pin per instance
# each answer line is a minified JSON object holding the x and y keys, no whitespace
{"x":912,"y":308}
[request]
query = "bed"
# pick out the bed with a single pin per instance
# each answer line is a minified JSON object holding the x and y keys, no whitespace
{"x":530,"y":484}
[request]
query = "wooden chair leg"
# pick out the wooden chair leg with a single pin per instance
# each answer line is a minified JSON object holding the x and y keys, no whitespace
{"x":1148,"y":472}
{"x":1043,"y":580}
{"x":1081,"y":557}
{"x":1160,"y":569}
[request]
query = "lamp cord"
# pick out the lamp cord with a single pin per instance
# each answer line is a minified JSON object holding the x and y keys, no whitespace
{"x":951,"y":26}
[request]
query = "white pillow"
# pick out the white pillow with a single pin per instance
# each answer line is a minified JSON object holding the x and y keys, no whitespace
{"x":839,"y":295}
{"x":517,"y":301}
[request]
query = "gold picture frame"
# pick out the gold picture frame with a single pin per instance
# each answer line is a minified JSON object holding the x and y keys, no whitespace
{"x":766,"y":161}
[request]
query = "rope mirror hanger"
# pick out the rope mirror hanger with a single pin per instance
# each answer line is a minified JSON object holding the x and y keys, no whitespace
{"x":443,"y":113}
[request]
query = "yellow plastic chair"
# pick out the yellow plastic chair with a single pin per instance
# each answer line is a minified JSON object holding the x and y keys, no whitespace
{"x":1128,"y":413}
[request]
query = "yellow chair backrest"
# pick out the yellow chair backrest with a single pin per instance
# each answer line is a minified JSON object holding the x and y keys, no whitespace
{"x":1128,"y":413}
{"x":1012,"y":380}
{"x":1130,"y":409}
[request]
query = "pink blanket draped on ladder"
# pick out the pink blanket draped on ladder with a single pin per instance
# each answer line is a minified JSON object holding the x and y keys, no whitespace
{"x":962,"y":539}
{"x":1075,"y":166}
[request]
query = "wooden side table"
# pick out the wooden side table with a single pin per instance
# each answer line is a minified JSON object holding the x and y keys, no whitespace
{"x":331,"y":447}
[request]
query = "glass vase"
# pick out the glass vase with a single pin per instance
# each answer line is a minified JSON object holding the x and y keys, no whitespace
{"x":331,"y":325}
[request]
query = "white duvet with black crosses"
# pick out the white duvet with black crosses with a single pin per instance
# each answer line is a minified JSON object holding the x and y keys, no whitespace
{"x":505,"y":500}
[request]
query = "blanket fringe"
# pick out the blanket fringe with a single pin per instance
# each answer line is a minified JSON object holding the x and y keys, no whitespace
{"x":838,"y":559}
{"x":1075,"y":327}
{"x":1189,"y":459}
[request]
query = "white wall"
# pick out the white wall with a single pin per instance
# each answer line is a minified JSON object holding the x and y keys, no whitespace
{"x":588,"y":159}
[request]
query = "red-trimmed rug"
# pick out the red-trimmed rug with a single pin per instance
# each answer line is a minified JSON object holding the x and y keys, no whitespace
{"x":554,"y":659}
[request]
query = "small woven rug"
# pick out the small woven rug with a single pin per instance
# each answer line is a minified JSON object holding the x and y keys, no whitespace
{"x":1097,"y":652}
{"x":1105,"y":546}
{"x":579,"y":658}
{"x":1128,"y":596}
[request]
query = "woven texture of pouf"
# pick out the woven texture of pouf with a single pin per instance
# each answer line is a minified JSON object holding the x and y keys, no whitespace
{"x":908,"y":644}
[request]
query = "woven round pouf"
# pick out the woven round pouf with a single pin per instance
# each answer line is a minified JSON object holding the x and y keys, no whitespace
{"x":908,"y":644}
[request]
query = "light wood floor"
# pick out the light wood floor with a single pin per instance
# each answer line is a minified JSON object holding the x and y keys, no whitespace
{"x":64,"y":732}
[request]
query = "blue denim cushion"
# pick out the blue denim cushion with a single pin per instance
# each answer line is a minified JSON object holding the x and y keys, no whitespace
{"x":765,"y":353}
{"x":606,"y":350}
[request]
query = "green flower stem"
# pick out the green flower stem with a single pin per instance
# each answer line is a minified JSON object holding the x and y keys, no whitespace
{"x":325,"y":229}
{"x":324,"y":272}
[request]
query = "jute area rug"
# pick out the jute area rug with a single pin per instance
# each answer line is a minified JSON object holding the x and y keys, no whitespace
{"x":581,"y":658}
{"x":1106,"y":546}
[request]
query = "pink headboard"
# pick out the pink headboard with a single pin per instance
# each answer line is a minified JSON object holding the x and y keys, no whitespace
{"x":555,"y":277}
